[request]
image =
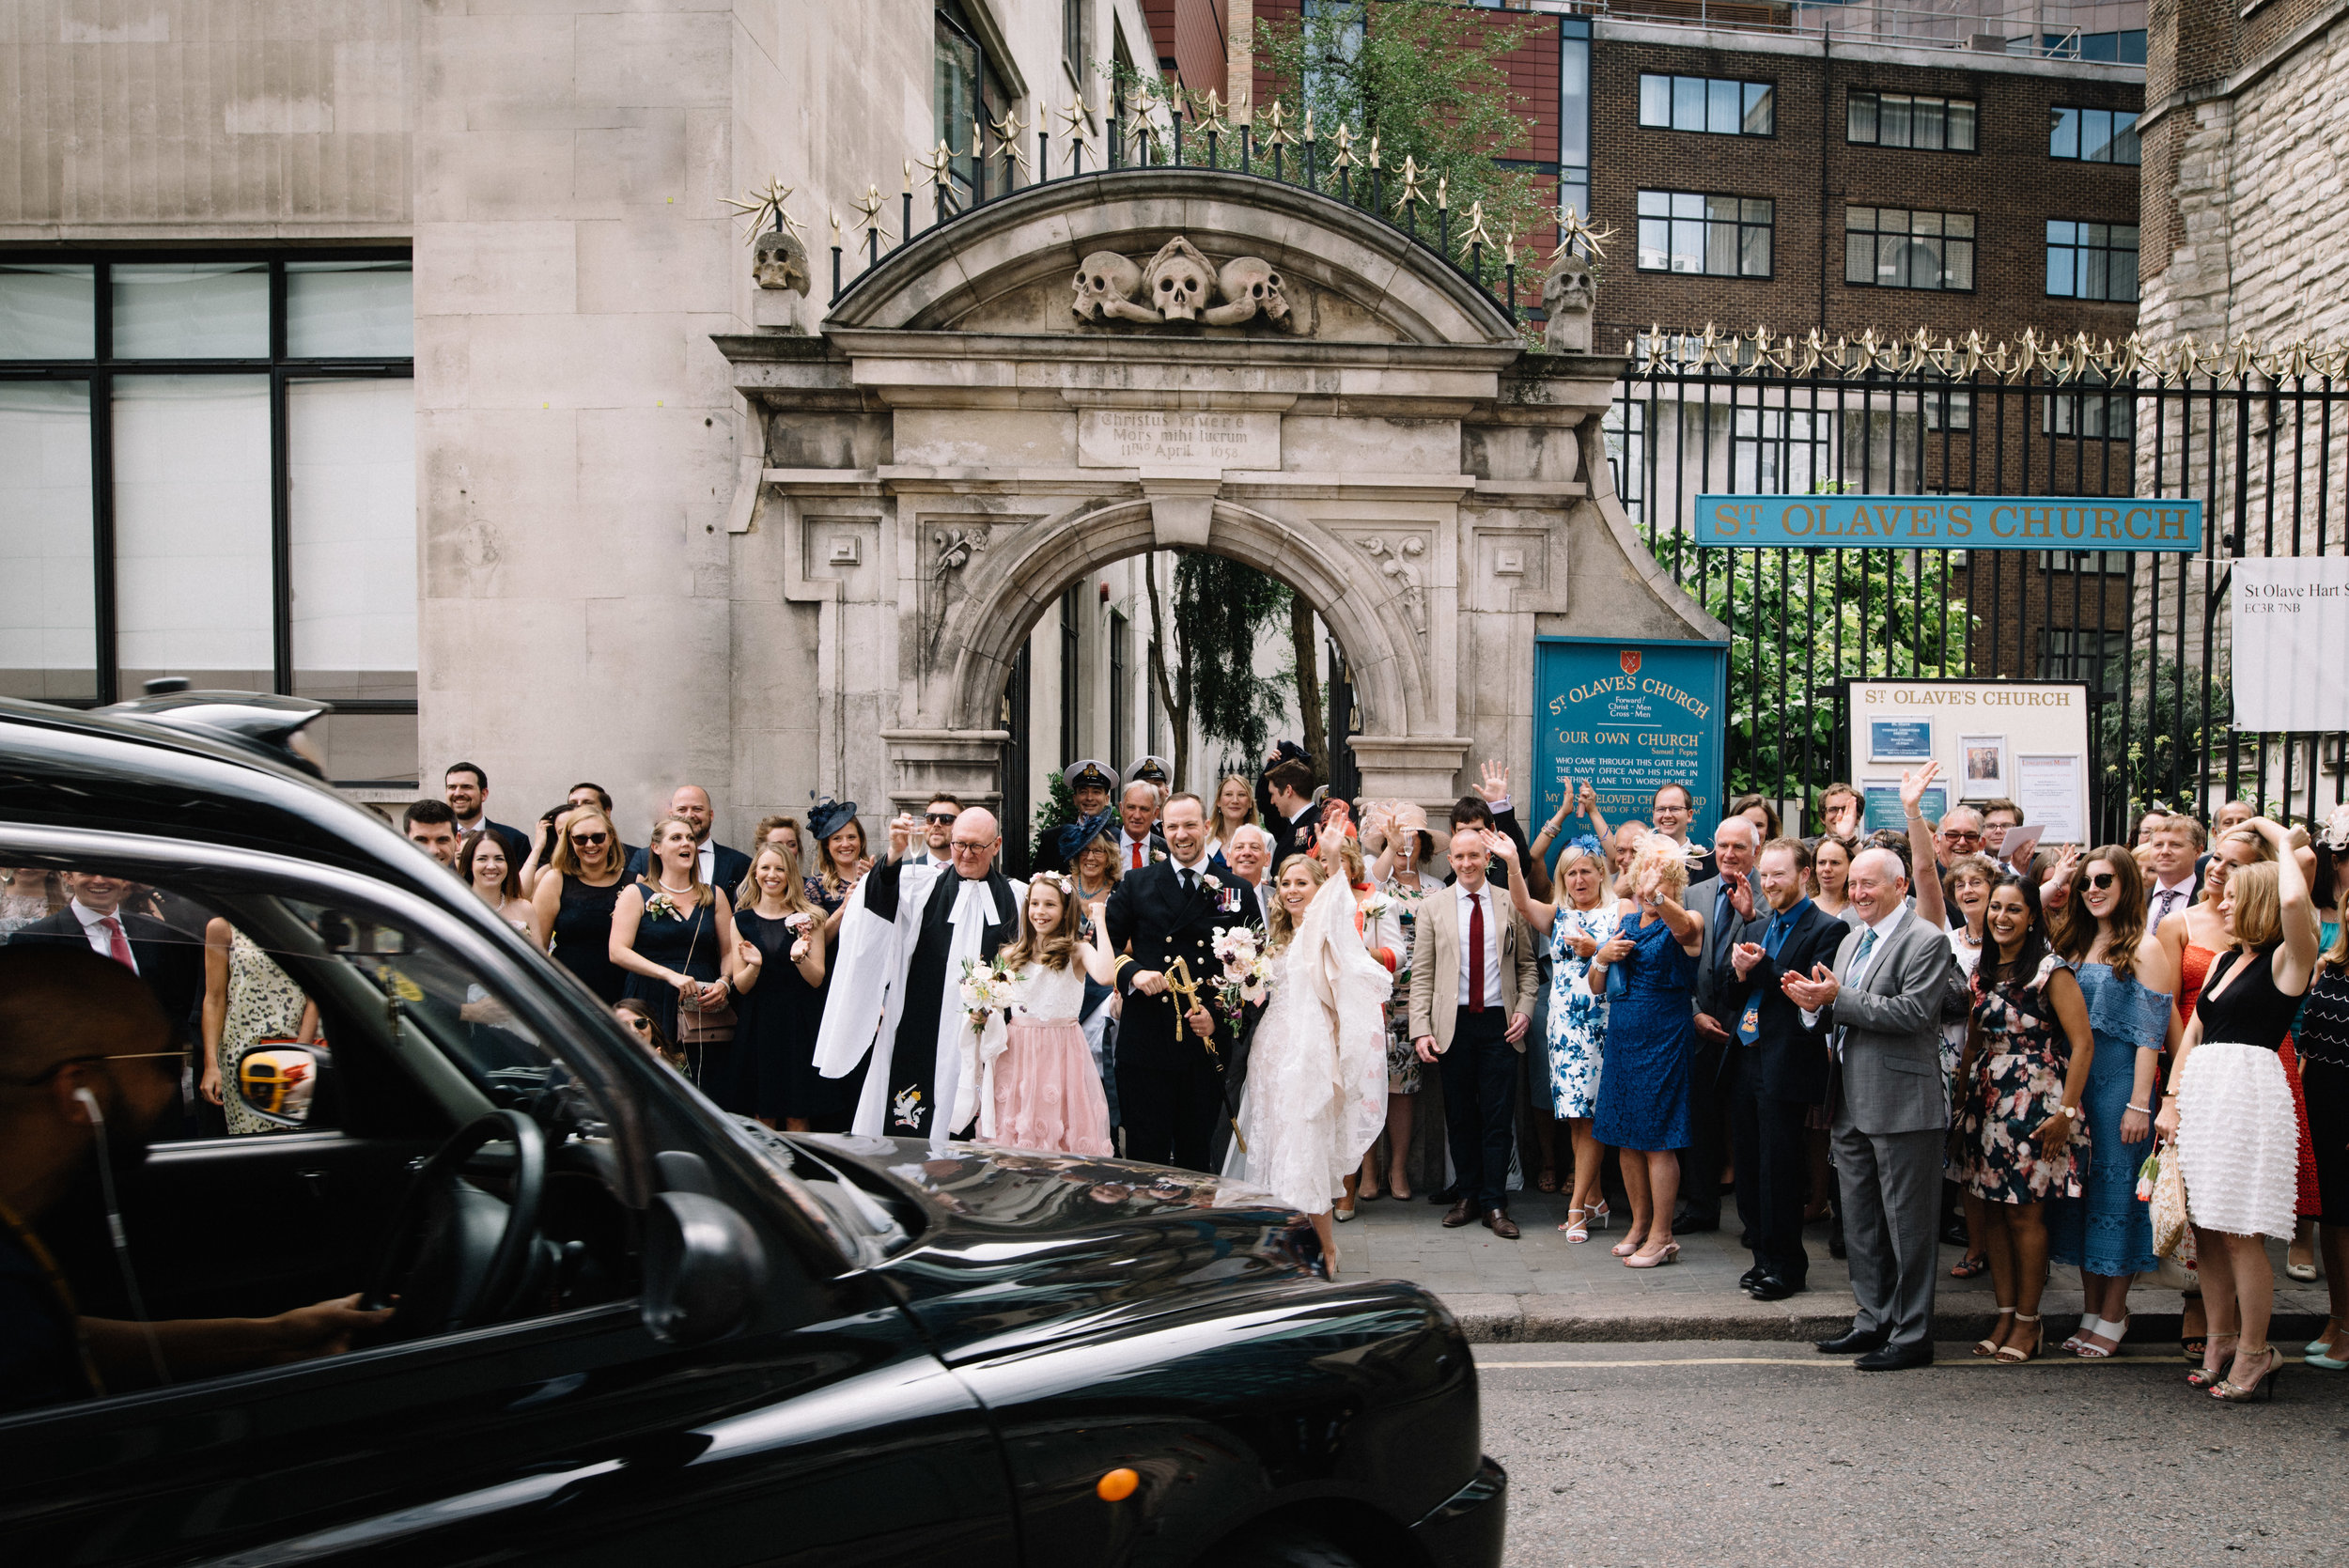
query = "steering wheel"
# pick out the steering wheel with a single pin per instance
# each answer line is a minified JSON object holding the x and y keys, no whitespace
{"x":458,"y":1256}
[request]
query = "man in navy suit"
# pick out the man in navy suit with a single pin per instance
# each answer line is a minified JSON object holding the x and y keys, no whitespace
{"x":466,"y":788}
{"x":1172,"y":1060}
{"x":722,"y":867}
{"x":1777,"y":1071}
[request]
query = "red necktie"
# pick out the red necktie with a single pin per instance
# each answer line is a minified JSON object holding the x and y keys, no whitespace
{"x":117,"y":948}
{"x":1476,"y":951}
{"x":1137,"y":865}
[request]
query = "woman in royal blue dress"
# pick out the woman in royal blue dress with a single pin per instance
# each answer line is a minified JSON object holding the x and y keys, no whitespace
{"x":1643,"y":1087}
{"x":2126,"y":977}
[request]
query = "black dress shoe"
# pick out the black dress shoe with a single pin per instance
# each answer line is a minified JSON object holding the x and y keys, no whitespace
{"x":1852,"y":1342}
{"x":1771,"y":1288}
{"x":1448,"y":1195}
{"x":1835,"y":1248}
{"x":1751,"y":1277}
{"x":1891,"y":1359}
{"x":1696,"y":1224}
{"x":1955,"y":1232}
{"x":1457,"y":1215}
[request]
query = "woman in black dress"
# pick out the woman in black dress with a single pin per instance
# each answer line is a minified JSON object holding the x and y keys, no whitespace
{"x":673,"y":933}
{"x":779,"y":972}
{"x":572,"y":905}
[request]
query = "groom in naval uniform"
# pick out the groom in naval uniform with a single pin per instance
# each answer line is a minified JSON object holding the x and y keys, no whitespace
{"x":908,"y":931}
{"x":1171,"y":1064}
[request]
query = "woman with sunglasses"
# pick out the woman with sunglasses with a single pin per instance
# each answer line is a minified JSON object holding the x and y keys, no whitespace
{"x":2129,"y":986}
{"x":572,"y":908}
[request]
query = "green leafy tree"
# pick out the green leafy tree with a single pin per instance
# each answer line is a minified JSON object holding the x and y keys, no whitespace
{"x":1834,"y":617}
{"x":1058,"y":808}
{"x":1203,"y":652}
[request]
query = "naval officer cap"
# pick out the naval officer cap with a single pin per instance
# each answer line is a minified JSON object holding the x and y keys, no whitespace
{"x":1090,"y":774}
{"x":1155,"y":771}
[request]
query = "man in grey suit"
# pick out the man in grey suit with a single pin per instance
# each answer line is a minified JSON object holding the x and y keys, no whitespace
{"x":1733,"y":911}
{"x":1881,"y":1007}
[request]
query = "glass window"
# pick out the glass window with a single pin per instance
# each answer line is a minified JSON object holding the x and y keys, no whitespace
{"x":1906,"y":119}
{"x":48,"y":592}
{"x":2092,"y":260}
{"x":1895,"y":247}
{"x":192,"y":566}
{"x":191,"y":310}
{"x":1689,"y":231}
{"x":350,"y":309}
{"x":47,"y":312}
{"x":351,"y":489}
{"x":1721,"y":106}
{"x":2092,"y":136}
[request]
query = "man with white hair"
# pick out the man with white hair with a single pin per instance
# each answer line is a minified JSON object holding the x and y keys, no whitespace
{"x":1249,"y":853}
{"x":1730,"y":902}
{"x":1881,"y":1008}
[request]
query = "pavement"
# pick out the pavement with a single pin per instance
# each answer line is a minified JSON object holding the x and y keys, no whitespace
{"x":1541,"y":1289}
{"x":1760,"y":1455}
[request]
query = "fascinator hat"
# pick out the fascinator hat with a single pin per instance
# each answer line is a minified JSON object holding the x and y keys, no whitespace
{"x":827,"y":817}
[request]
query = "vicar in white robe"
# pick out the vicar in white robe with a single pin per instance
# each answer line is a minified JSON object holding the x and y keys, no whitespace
{"x":895,"y":984}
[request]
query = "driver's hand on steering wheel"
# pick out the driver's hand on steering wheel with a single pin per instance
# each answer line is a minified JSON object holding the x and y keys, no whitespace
{"x":324,"y":1329}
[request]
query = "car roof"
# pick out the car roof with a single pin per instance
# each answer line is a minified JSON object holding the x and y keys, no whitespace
{"x":181,"y":775}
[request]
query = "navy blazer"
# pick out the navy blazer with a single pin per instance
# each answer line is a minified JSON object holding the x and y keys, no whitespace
{"x":1788,"y":1062}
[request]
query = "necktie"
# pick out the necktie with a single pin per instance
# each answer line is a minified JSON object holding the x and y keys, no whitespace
{"x":1187,"y":879}
{"x":2163,"y":898}
{"x":1721,"y":925}
{"x":1476,"y":952}
{"x":1859,"y":959}
{"x":118,"y":947}
{"x":1780,"y":926}
{"x":1137,"y":865}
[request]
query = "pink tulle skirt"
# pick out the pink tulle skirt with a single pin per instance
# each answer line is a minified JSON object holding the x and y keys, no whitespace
{"x":1048,"y":1096}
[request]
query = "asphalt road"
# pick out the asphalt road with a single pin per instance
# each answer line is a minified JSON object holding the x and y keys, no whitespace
{"x":1727,"y":1455}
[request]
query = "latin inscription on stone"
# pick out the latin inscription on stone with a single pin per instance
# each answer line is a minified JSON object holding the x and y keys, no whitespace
{"x":1177,"y":438}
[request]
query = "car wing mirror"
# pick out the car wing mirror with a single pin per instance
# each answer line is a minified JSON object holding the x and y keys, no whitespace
{"x":277,"y":1080}
{"x":704,"y":1268}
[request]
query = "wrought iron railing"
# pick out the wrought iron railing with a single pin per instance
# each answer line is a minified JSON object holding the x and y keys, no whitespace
{"x":2260,"y":436}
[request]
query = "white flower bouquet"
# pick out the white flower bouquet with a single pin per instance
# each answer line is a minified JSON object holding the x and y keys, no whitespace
{"x":986,"y":988}
{"x":1247,"y":977}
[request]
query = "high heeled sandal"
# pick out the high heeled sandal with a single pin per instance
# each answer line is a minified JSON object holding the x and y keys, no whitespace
{"x":1645,"y":1259}
{"x":1625,"y":1248}
{"x":2115,"y":1329}
{"x":1578,"y":1230}
{"x":2262,"y":1387}
{"x":1600,"y":1215}
{"x":2090,"y":1322}
{"x":1969,"y":1269}
{"x":2009,"y":1356}
{"x":2216,"y":1348}
{"x":1986,"y":1349}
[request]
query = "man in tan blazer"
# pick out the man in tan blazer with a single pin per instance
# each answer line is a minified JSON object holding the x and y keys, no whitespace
{"x":1472,"y":982}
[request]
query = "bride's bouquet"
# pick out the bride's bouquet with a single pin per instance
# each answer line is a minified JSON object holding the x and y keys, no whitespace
{"x":986,"y":988}
{"x":1247,"y":977}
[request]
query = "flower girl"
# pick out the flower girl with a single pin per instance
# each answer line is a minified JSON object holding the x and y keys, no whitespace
{"x":1029,"y":1077}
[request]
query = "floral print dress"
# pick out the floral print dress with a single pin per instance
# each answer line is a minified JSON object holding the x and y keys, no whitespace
{"x":2016,"y":1083}
{"x":1402,"y":1063}
{"x":1578,"y":1020}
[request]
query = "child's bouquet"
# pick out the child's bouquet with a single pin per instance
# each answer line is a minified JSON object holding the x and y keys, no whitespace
{"x":986,"y":988}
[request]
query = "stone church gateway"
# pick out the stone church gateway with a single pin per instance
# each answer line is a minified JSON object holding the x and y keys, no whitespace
{"x":989,"y":414}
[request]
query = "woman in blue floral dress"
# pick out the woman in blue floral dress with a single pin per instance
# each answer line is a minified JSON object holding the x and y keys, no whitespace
{"x":1578,"y":924}
{"x":2021,"y":1138}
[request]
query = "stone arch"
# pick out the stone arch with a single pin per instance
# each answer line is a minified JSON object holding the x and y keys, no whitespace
{"x":1023,"y":577}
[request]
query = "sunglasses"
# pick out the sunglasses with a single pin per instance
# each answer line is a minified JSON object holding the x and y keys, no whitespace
{"x":642,"y":1026}
{"x":944,"y":818}
{"x":591,"y":838}
{"x":2100,"y":880}
{"x":1961,"y":835}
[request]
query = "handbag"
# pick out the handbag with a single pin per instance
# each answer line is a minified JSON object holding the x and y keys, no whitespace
{"x":699,"y":1025}
{"x":2163,"y":1182}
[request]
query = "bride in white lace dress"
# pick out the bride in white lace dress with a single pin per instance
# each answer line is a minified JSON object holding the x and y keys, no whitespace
{"x":1316,"y":1097}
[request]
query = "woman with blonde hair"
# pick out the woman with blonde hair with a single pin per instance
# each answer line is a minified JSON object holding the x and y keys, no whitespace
{"x":572,"y":908}
{"x":779,"y":977}
{"x":1316,"y":1094}
{"x":1234,"y":807}
{"x":2229,"y":1111}
{"x":674,"y":934}
{"x":1576,"y":926}
{"x":1644,"y":1108}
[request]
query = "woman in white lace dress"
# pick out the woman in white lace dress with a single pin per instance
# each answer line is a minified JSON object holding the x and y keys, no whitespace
{"x":1316,"y":1092}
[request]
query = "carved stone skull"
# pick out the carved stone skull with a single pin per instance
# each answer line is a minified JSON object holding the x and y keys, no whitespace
{"x":778,"y":261}
{"x":1249,"y":286}
{"x":1105,"y":285}
{"x":1569,"y":294}
{"x":1180,"y":281}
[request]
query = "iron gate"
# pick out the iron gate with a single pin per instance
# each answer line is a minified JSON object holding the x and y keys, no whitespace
{"x":2261,"y":439}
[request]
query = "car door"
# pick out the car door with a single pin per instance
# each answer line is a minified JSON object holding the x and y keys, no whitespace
{"x":822,"y":1430}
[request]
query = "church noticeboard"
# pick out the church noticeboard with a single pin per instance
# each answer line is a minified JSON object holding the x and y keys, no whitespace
{"x":1630,"y":716}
